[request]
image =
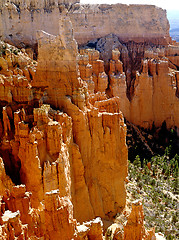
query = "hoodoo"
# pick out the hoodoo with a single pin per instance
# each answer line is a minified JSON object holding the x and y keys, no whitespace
{"x":70,"y":74}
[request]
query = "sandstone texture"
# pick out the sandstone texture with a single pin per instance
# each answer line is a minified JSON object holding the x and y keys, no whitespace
{"x":155,"y":91}
{"x":125,"y":21}
{"x":130,"y":225}
{"x":20,"y":20}
{"x":172,"y":53}
{"x":157,"y":100}
{"x":52,"y":159}
{"x":63,"y":152}
{"x":94,"y":131}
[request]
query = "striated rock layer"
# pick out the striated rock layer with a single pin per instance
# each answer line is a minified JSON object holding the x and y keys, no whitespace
{"x":19,"y":21}
{"x":155,"y":86}
{"x":65,"y":165}
{"x":63,"y":137}
{"x":125,"y":21}
{"x":95,"y":133}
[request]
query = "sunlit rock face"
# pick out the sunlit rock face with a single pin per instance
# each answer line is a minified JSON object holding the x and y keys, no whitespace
{"x":94,"y":131}
{"x":72,"y":161}
{"x":20,"y":20}
{"x":125,"y":21}
{"x":63,"y":137}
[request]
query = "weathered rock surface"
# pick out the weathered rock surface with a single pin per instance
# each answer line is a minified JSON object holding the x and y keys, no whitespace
{"x":155,"y":95}
{"x":20,"y":21}
{"x":87,"y":21}
{"x":117,"y":82}
{"x":72,"y":161}
{"x":16,"y":72}
{"x":59,"y":155}
{"x":172,"y":53}
{"x":57,"y":64}
{"x":130,"y":225}
{"x":93,"y":131}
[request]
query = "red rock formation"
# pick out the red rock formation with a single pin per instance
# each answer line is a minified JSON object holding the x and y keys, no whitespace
{"x":117,"y":84}
{"x":16,"y":72}
{"x":53,"y":221}
{"x":61,"y":154}
{"x":12,"y":227}
{"x":155,"y":91}
{"x":172,"y":53}
{"x":92,"y":131}
{"x":99,"y":77}
{"x":134,"y":229}
{"x":59,"y":223}
{"x":76,"y":156}
{"x":155,"y":99}
{"x":130,"y":225}
{"x":56,"y":69}
{"x":90,"y":230}
{"x":5,"y":181}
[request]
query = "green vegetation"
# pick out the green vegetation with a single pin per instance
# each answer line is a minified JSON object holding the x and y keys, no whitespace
{"x":156,"y":183}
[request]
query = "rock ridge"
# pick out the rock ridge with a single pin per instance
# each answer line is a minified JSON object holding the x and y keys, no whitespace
{"x":63,"y":136}
{"x":20,"y":20}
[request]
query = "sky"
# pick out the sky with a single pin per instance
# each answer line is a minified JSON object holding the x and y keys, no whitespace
{"x":165,"y":4}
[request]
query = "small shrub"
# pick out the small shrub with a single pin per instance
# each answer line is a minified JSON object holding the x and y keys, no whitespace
{"x":174,"y":218}
{"x":153,"y":182}
{"x":137,"y":162}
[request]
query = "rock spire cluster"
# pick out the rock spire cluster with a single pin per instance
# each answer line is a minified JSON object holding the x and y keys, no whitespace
{"x":63,"y":152}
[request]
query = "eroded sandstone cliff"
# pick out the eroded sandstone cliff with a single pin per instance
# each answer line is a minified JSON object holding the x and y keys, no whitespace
{"x":63,"y":137}
{"x":19,"y":21}
{"x":155,"y":95}
{"x":59,"y":155}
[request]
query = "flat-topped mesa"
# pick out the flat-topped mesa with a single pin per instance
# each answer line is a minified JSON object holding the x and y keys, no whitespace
{"x":139,"y":23}
{"x":19,"y":21}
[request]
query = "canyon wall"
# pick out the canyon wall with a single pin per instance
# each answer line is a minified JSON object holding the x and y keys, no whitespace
{"x":155,"y":97}
{"x":76,"y":154}
{"x":61,"y":167}
{"x":155,"y":90}
{"x":63,"y":137}
{"x":94,"y":131}
{"x":134,"y":29}
{"x":138,"y":23}
{"x":20,"y":20}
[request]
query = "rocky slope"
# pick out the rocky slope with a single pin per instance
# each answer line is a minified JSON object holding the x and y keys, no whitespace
{"x":156,"y":184}
{"x":149,"y":88}
{"x":52,"y":161}
{"x":63,"y":137}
